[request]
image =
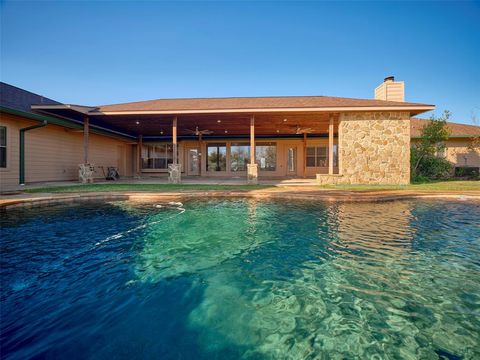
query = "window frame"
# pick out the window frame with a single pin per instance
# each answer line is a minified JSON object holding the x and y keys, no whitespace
{"x":3,"y":147}
{"x":319,"y":160}
{"x":246,"y":158}
{"x":217,"y":145}
{"x":258,"y":160}
{"x":166,"y":154}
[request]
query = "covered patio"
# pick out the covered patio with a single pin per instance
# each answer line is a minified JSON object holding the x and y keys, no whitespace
{"x":265,"y":145}
{"x":335,"y":140}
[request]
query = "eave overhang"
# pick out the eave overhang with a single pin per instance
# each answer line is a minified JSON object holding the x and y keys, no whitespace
{"x":414,"y":110}
{"x":67,"y":123}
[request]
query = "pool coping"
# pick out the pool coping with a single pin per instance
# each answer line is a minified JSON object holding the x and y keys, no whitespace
{"x":46,"y":199}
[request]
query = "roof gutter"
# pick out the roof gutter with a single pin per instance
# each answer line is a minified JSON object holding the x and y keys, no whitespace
{"x":21,"y":179}
{"x":421,"y":108}
{"x":68,"y":123}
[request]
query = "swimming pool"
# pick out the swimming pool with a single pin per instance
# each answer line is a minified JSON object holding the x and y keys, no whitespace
{"x":243,"y":278}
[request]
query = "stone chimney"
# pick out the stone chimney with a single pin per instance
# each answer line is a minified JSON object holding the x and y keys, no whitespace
{"x":390,"y":90}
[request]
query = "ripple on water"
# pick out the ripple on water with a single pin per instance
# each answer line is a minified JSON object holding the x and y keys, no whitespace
{"x":244,"y":278}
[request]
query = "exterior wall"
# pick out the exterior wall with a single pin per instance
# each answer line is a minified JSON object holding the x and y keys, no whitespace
{"x":52,"y":153}
{"x":458,"y":153}
{"x":374,"y":148}
{"x":390,"y":91}
{"x":281,"y":165}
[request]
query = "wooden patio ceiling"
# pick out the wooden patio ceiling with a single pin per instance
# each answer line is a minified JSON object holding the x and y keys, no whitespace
{"x":220,"y":124}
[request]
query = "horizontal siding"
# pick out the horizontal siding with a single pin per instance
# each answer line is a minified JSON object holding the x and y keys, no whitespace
{"x":395,"y":91}
{"x":53,"y":153}
{"x":459,"y":154}
{"x":9,"y":175}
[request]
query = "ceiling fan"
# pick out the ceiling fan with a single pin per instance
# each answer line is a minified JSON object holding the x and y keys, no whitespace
{"x":300,"y":130}
{"x":197,"y":132}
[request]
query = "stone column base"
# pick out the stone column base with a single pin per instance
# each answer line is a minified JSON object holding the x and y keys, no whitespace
{"x":329,"y":179}
{"x":85,"y":173}
{"x":252,"y":174}
{"x":175,"y":173}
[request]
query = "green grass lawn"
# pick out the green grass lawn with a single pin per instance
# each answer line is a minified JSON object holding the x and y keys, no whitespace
{"x":432,"y":186}
{"x":141,"y":187}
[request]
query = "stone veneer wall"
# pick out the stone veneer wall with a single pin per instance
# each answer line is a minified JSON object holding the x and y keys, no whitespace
{"x":374,"y":148}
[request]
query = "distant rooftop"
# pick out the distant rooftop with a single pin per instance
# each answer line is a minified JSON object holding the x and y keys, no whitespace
{"x":456,"y":130}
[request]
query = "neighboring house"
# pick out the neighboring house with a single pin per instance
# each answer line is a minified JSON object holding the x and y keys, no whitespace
{"x":337,"y":140}
{"x":458,"y":147}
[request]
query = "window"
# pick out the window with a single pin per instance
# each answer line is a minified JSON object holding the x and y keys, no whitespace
{"x":157,"y":156}
{"x":239,"y":156}
{"x":266,"y":156}
{"x":292,"y":160}
{"x":217,"y":157}
{"x":3,"y":146}
{"x":335,"y":155}
{"x":317,"y":156}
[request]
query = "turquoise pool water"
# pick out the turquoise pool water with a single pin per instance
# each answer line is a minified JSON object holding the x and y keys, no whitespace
{"x":242,"y":279}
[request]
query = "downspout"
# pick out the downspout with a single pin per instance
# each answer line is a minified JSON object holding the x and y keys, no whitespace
{"x":22,"y":149}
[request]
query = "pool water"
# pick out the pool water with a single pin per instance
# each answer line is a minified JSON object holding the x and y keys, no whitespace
{"x":242,"y":279}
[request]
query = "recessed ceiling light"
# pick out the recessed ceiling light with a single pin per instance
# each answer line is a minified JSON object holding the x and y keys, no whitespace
{"x":226,"y":131}
{"x":284,"y":120}
{"x":219,"y":121}
{"x":137,"y":122}
{"x":161,"y":132}
{"x":278,"y":131}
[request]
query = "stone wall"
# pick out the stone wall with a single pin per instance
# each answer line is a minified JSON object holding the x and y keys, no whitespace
{"x":374,"y":148}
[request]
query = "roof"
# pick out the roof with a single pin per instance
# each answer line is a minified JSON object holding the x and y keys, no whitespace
{"x":456,"y":129}
{"x":255,"y":103}
{"x":15,"y":98}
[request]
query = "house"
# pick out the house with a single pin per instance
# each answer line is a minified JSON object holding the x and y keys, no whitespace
{"x":336,"y":140}
{"x":459,"y":150}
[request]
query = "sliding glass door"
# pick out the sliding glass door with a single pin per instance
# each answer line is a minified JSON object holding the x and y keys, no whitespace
{"x":216,"y":157}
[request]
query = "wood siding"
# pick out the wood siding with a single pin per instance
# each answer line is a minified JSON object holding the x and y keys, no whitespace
{"x":52,"y":153}
{"x":391,"y":91}
{"x":458,"y":153}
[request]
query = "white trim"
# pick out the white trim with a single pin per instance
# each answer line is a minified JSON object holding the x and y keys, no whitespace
{"x":267,"y":110}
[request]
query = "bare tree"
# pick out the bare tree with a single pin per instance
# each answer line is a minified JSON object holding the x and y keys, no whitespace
{"x":475,"y":143}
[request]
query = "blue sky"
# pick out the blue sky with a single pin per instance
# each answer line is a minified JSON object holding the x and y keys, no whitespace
{"x":96,"y":53}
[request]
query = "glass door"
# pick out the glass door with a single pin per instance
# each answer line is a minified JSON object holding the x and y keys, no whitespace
{"x":193,"y":161}
{"x":292,"y":160}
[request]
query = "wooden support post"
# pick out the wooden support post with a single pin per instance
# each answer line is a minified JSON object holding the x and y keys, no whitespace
{"x":200,"y":154}
{"x":139,"y":155}
{"x":252,"y":140}
{"x":174,"y":141}
{"x":304,"y":155}
{"x":330,"y":146}
{"x":252,"y":168}
{"x":86,"y":129}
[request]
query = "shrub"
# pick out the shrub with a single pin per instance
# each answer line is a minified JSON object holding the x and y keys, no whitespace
{"x":424,"y":162}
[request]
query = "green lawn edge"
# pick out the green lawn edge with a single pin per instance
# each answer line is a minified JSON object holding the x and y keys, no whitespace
{"x":114,"y":187}
{"x":142,"y":187}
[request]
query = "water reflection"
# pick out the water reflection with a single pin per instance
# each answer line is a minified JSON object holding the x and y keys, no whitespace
{"x":376,"y":295}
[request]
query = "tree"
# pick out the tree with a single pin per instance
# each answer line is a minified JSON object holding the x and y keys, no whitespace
{"x":425,"y":162}
{"x":475,"y":143}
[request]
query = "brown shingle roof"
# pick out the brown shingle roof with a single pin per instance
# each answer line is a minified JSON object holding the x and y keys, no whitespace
{"x":456,"y":130}
{"x":276,"y":102}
